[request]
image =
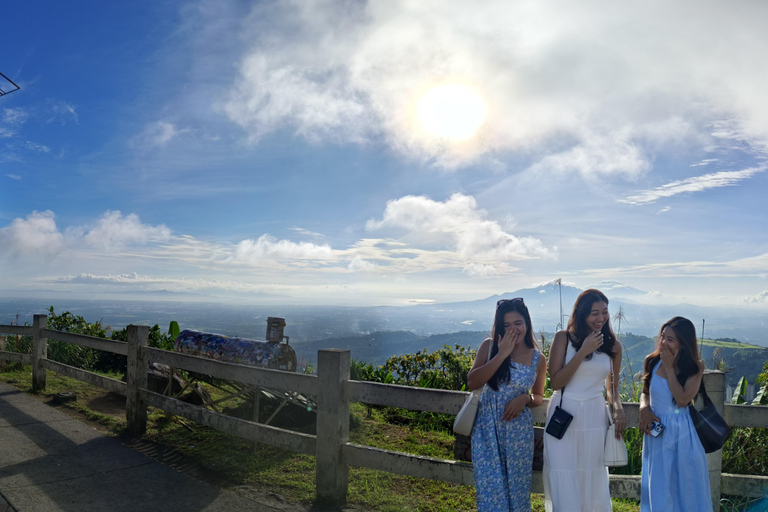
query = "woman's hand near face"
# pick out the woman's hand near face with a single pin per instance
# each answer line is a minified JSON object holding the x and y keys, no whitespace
{"x":515,"y":407}
{"x":591,"y":343}
{"x":508,"y":343}
{"x":668,"y":358}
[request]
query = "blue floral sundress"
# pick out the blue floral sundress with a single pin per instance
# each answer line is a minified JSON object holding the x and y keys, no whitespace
{"x":502,"y":451}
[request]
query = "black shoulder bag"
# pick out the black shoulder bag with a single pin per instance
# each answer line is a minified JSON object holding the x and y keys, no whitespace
{"x":711,"y":428}
{"x":561,"y":418}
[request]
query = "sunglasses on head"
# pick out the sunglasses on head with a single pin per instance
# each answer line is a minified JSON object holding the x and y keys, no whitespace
{"x":516,"y":300}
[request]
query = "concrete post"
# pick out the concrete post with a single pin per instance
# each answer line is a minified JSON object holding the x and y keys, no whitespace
{"x":136,"y":378}
{"x":714,"y":381}
{"x":39,"y":352}
{"x":332,"y":472}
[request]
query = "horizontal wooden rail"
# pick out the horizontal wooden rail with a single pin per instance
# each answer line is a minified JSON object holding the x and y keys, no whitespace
{"x":116,"y":347}
{"x":746,"y":416}
{"x":442,"y":401}
{"x":21,"y":330}
{"x":287,"y":439}
{"x":411,"y":465}
{"x":17,"y":357}
{"x":751,"y":486}
{"x":406,"y":397}
{"x":274,"y":379}
{"x":94,"y":379}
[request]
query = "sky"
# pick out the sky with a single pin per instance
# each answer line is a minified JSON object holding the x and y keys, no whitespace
{"x":383,"y":152}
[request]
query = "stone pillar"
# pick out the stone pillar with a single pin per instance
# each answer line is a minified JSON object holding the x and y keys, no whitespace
{"x":136,"y":377}
{"x":39,"y":352}
{"x":714,"y":381}
{"x":332,"y":471}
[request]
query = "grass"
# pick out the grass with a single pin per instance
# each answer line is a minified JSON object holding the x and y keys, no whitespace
{"x":236,"y":464}
{"x":728,"y":344}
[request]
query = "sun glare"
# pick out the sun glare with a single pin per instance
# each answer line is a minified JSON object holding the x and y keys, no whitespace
{"x":451,"y":111}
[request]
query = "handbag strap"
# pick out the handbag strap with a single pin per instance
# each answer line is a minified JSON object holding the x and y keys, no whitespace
{"x":479,"y":390}
{"x":610,"y":406}
{"x":567,"y":343}
{"x":703,"y":392}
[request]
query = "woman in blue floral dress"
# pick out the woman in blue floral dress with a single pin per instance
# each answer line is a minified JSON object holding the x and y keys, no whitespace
{"x":513,"y":381}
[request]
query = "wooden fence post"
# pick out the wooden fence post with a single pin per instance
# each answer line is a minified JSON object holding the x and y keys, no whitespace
{"x":136,"y":378}
{"x":39,"y":352}
{"x":332,"y":472}
{"x":714,"y":381}
{"x":2,"y":349}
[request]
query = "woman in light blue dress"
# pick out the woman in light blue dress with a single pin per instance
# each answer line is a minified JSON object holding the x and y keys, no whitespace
{"x":675,"y":474}
{"x":502,"y":438}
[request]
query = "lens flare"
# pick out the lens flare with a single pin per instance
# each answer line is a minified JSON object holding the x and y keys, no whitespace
{"x":451,"y":111}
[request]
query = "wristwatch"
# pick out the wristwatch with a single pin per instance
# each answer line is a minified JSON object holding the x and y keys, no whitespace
{"x":532,"y":399}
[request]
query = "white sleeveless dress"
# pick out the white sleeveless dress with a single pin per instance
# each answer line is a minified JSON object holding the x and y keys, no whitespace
{"x":575,"y":476}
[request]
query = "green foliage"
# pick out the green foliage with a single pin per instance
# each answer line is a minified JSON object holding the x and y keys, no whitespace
{"x":445,"y":368}
{"x":75,"y":355}
{"x":173,"y":330}
{"x":740,"y":392}
{"x":84,"y":357}
{"x":763,"y":377}
{"x":762,"y":396}
{"x":746,"y":452}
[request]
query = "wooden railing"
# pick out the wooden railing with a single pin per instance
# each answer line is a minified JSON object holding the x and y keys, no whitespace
{"x":334,"y":391}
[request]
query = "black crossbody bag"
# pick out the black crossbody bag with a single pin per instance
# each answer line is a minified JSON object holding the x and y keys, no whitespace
{"x":712,"y":429}
{"x":561,"y":418}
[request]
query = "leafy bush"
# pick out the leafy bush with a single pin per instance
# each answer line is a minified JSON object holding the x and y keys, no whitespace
{"x":84,"y":357}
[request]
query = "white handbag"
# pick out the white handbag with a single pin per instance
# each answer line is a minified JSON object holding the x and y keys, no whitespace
{"x":615,"y":453}
{"x":465,"y":419}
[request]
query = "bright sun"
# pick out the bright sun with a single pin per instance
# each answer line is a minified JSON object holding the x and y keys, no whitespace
{"x":451,"y":111}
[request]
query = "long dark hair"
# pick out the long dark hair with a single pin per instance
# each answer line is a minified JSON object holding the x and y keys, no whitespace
{"x":687,"y":357}
{"x":577,"y":324}
{"x":503,"y":307}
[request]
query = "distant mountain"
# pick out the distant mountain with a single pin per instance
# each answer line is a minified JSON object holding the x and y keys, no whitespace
{"x":312,"y":323}
{"x":377,"y":347}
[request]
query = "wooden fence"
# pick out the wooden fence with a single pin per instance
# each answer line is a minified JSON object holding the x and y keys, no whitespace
{"x":334,"y":391}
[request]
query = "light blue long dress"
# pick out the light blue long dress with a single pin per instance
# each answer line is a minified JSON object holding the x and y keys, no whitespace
{"x":502,"y":451}
{"x":675,"y":473}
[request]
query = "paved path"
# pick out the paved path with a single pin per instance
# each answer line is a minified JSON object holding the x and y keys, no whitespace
{"x":50,"y":462}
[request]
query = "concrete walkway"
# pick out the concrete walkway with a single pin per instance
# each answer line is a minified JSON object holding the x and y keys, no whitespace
{"x":51,"y":462}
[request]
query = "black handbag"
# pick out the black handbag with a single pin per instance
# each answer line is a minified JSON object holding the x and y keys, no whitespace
{"x":561,"y":418}
{"x":559,"y":421}
{"x":712,"y":429}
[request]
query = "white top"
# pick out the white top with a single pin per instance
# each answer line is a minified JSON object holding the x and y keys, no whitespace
{"x":589,"y":379}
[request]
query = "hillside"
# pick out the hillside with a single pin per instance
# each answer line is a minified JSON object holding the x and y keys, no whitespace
{"x":743,"y":359}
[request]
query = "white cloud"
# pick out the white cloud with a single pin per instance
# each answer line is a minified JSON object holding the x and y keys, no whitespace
{"x":35,"y":235}
{"x":13,"y":176}
{"x":480,"y":270}
{"x":15,"y":116}
{"x":267,"y":247}
{"x":460,"y":223}
{"x":694,"y":184}
{"x":61,"y":112}
{"x":157,"y":134}
{"x":760,"y":297}
{"x":578,"y":77}
{"x":704,"y":162}
{"x":358,"y":264}
{"x":114,"y":231}
{"x":306,"y":232}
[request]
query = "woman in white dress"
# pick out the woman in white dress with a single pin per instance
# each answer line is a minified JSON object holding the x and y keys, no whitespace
{"x":580,"y":364}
